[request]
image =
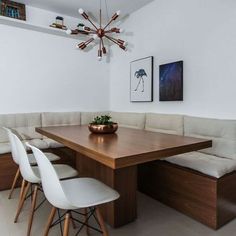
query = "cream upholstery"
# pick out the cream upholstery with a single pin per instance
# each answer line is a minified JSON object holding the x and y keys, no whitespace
{"x":60,"y":118}
{"x":87,"y":117}
{"x":52,"y":143}
{"x":204,"y":163}
{"x":5,"y":148}
{"x":222,"y":132}
{"x":169,"y":124}
{"x":129,"y":120}
{"x":39,"y":143}
{"x":23,"y":124}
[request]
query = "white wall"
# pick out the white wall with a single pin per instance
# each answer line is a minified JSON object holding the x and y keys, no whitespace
{"x":200,"y":32}
{"x":42,"y":72}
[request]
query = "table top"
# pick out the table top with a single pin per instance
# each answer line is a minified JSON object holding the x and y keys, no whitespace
{"x":126,"y":147}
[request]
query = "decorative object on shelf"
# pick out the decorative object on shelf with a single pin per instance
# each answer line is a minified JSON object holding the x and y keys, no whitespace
{"x":13,"y":9}
{"x":59,"y":24}
{"x":100,"y":32}
{"x":171,"y":81}
{"x":103,"y":125}
{"x":141,"y":80}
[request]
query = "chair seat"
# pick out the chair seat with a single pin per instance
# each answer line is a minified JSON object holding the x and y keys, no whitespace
{"x":87,"y":192}
{"x":63,"y":171}
{"x":51,"y":157}
{"x":207,"y":164}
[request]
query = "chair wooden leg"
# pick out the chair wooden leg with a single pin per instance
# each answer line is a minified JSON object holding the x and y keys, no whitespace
{"x":72,"y":221}
{"x":66,"y":225}
{"x":14,"y":182}
{"x":50,"y":219}
{"x":21,"y":202}
{"x":22,"y":188}
{"x":34,"y":199}
{"x":86,"y":220}
{"x":101,"y":222}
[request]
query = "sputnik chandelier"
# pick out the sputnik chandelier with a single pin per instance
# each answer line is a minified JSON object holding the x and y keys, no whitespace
{"x":100,"y":32}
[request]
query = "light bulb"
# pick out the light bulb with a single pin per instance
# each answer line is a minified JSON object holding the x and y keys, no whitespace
{"x":99,"y":58}
{"x":118,"y":12}
{"x":69,"y":31}
{"x":77,"y":46}
{"x":122,"y":30}
{"x":81,"y":11}
{"x":125,"y":44}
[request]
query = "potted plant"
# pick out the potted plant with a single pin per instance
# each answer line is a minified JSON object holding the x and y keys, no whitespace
{"x":103,"y":125}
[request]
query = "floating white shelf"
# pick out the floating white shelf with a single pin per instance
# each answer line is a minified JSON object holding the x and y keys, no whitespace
{"x":25,"y":25}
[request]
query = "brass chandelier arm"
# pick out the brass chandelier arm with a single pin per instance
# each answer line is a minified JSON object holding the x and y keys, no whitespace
{"x":112,"y":39}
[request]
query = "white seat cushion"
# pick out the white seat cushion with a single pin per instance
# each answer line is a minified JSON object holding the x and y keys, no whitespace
{"x":22,"y":124}
{"x":221,"y":132}
{"x":51,"y":157}
{"x":60,"y":118}
{"x":162,"y":123}
{"x":204,"y":163}
{"x":52,"y":143}
{"x":129,"y":120}
{"x":5,"y":148}
{"x":63,"y":171}
{"x":39,"y":143}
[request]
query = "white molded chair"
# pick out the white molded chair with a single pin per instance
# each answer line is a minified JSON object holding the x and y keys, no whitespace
{"x":71,"y":195}
{"x":31,"y":175}
{"x":50,"y":156}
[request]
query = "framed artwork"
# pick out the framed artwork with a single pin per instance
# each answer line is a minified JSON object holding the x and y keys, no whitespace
{"x":171,"y":81}
{"x":141,"y":80}
{"x":13,"y":9}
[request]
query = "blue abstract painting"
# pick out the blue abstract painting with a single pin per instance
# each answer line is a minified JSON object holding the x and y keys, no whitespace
{"x":171,"y":81}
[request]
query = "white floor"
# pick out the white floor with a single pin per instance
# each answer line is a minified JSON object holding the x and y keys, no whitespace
{"x":154,"y":219}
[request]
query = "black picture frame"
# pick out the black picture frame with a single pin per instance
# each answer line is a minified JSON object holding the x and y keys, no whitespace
{"x":147,"y":73}
{"x":171,"y":81}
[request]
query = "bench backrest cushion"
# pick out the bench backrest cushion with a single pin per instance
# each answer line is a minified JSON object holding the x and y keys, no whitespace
{"x":60,"y":118}
{"x":87,"y":117}
{"x":162,"y":123}
{"x":221,"y":132}
{"x":129,"y":120}
{"x":22,"y":124}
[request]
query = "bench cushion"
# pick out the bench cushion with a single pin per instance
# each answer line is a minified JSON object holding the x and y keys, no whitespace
{"x":60,"y":118}
{"x":52,"y":143}
{"x":23,"y":124}
{"x":204,"y":163}
{"x":5,"y":148}
{"x":162,"y":123}
{"x":87,"y":117}
{"x":221,"y":132}
{"x":129,"y":120}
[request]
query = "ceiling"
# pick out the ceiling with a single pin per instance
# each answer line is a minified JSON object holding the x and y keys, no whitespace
{"x":70,"y":7}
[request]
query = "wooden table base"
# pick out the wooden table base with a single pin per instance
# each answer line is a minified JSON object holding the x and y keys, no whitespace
{"x":124,"y":180}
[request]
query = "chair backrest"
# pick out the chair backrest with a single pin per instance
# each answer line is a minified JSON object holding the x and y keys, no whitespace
{"x":50,"y":181}
{"x":25,"y":167}
{"x":13,"y":146}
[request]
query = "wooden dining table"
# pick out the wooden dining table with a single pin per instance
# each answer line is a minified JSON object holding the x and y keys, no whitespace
{"x":113,"y":159}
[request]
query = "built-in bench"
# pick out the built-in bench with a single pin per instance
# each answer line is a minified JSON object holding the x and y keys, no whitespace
{"x":200,"y":184}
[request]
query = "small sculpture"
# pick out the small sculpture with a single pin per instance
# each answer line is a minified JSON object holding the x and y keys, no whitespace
{"x":59,"y":24}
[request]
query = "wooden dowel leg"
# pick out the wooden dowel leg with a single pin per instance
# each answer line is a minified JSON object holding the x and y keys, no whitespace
{"x":72,"y":221}
{"x":31,"y":217}
{"x":21,"y":202}
{"x":22,"y":188}
{"x":101,"y":222}
{"x":66,"y":225}
{"x":86,"y":220}
{"x":14,"y":182}
{"x":50,"y":219}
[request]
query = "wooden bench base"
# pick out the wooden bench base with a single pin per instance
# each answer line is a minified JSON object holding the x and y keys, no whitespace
{"x":8,"y":168}
{"x":208,"y":200}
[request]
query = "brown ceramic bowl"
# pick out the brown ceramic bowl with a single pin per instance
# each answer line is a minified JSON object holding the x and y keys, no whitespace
{"x":103,"y":129}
